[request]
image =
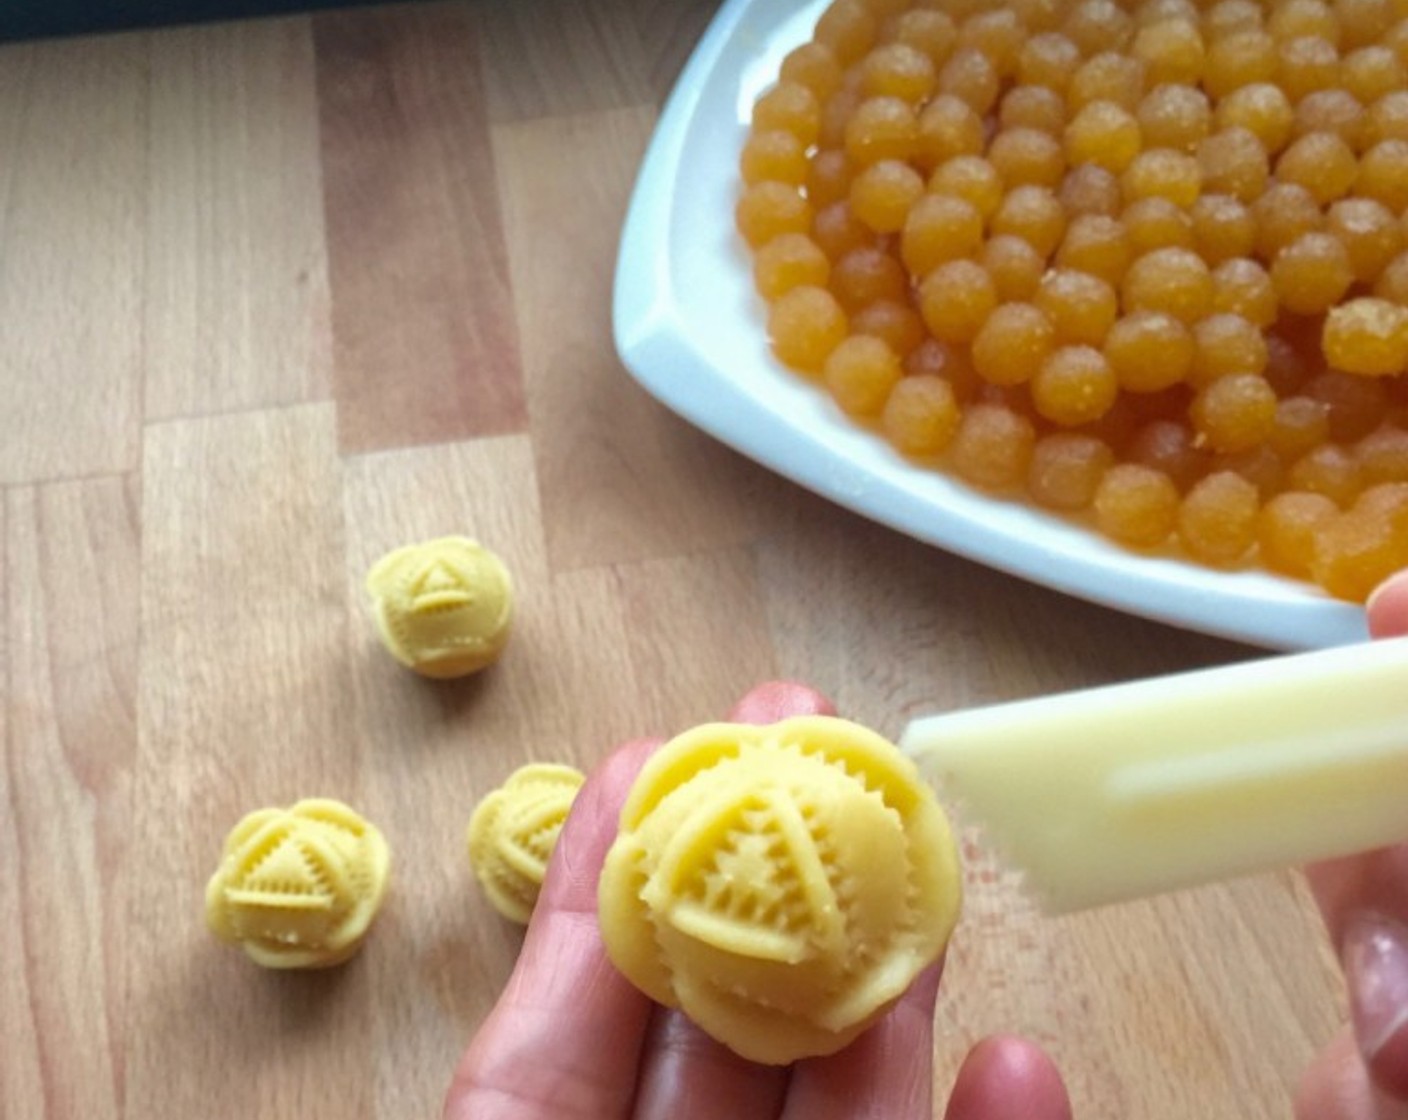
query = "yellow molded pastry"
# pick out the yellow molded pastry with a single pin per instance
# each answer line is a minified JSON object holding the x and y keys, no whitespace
{"x":299,"y":887}
{"x":443,"y":607}
{"x":781,"y":884}
{"x":513,"y":832}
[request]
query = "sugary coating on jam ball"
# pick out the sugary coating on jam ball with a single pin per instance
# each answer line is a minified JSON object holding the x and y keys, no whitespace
{"x":993,"y":446}
{"x":1356,"y":550}
{"x":1066,"y":468}
{"x":1225,"y":344}
{"x":895,"y":322}
{"x":1234,"y":161}
{"x":1149,"y":351}
{"x":1262,"y":109}
{"x":1174,"y":116}
{"x":774,"y":155}
{"x":1383,"y":455}
{"x":1234,"y":412}
{"x":1223,"y":228}
{"x":974,"y":180}
{"x":1241,"y":286}
{"x":860,"y":373}
{"x":1102,"y":133}
{"x":1156,"y":223}
{"x":299,"y":887}
{"x":1367,"y":336}
{"x":805,"y":325}
{"x":866,"y":274}
{"x":939,"y":228}
{"x":783,"y":885}
{"x":788,"y":261}
{"x":1096,"y":244}
{"x":1286,"y":528}
{"x":1136,"y":505}
{"x":1217,"y":521}
{"x":1109,"y":76}
{"x":882,"y":194}
{"x":1172,"y":233}
{"x":882,"y":128}
{"x":921,"y":415}
{"x":1174,"y":281}
{"x":1089,"y":188}
{"x":956,"y":299}
{"x":791,"y":107}
{"x":1016,"y":268}
{"x":769,"y":209}
{"x":1075,"y":385}
{"x":1171,"y":447}
{"x":1312,"y":273}
{"x":1027,"y":155}
{"x":1370,"y":233}
{"x":513,"y":831}
{"x":1013,"y":343}
{"x":1333,"y":111}
{"x":1080,"y":306}
{"x":1033,"y":107}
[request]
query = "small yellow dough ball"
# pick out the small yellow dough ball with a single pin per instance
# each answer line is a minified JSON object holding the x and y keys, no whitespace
{"x":444,"y":607}
{"x":299,"y":887}
{"x":513,"y":832}
{"x":783,"y":885}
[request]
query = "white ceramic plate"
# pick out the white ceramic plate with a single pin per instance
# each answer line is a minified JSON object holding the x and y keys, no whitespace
{"x":690,"y":328}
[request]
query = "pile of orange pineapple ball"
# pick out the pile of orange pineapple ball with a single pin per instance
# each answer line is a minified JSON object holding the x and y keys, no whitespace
{"x":1145,"y":263}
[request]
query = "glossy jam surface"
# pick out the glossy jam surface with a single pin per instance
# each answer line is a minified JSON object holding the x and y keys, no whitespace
{"x":1186,"y":214}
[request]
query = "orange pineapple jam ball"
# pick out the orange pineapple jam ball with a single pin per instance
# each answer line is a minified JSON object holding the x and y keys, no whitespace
{"x":1066,"y":468}
{"x":1012,"y":344}
{"x":860,"y":372}
{"x":1145,"y":261}
{"x":921,"y":415}
{"x":1136,"y":505}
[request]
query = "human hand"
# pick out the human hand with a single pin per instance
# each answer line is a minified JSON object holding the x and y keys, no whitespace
{"x":571,"y":1039}
{"x":1363,"y":1073}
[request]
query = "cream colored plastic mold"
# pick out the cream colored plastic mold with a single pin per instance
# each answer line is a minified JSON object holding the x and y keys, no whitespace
{"x":443,"y":607}
{"x":783,"y":885}
{"x":299,"y":887}
{"x":513,"y":832}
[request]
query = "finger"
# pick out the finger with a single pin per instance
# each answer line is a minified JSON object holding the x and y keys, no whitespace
{"x":1337,"y":1086}
{"x":689,"y":1076}
{"x":885,"y":1074}
{"x":775,"y":700}
{"x":1364,"y":900}
{"x":1008,"y":1078}
{"x":1388,"y":607}
{"x":564,"y":1039}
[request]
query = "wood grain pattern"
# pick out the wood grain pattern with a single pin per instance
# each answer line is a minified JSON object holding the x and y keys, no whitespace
{"x":236,"y":299}
{"x":276,"y":297}
{"x":424,"y":331}
{"x":71,"y":647}
{"x":74,"y":129}
{"x":436,"y":750}
{"x":622,"y":478}
{"x":246,"y":701}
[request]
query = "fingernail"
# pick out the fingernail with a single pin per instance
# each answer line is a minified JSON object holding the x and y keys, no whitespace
{"x":1376,"y":970}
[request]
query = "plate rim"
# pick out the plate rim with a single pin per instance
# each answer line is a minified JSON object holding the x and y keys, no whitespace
{"x":652,"y":337}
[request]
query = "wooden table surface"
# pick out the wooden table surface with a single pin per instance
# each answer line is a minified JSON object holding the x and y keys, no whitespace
{"x":276,"y":297}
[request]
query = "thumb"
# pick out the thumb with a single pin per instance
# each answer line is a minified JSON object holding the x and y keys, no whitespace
{"x":1364,"y":899}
